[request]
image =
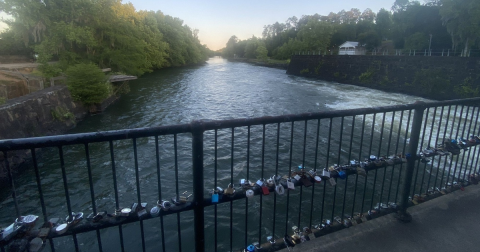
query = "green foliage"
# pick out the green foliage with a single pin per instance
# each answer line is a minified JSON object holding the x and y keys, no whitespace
{"x":417,"y":41}
{"x":104,"y":32}
{"x":467,"y":89}
{"x":3,"y":100}
{"x":432,"y":81}
{"x":367,"y":76}
{"x":11,"y":44}
{"x":87,"y":83}
{"x":261,"y":52}
{"x":304,"y":71}
{"x":62,"y":114}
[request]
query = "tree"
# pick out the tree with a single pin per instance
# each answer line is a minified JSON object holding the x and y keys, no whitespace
{"x":417,"y":41}
{"x":462,"y":19}
{"x":384,"y":23}
{"x":87,"y":83}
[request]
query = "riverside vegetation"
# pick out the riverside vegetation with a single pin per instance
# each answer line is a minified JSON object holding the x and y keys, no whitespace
{"x":79,"y":34}
{"x":435,"y":24}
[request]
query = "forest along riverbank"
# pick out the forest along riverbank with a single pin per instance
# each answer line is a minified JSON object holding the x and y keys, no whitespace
{"x":217,"y":90}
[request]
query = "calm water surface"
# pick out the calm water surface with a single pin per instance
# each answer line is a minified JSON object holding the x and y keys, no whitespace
{"x":216,"y":90}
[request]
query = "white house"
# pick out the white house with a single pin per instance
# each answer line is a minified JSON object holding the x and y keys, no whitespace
{"x":351,"y":48}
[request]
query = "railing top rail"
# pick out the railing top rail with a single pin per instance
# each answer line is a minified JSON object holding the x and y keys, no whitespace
{"x":83,"y":138}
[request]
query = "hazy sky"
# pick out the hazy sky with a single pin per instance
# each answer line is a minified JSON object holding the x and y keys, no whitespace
{"x":219,"y":20}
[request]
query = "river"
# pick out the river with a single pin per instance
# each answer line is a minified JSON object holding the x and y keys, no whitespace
{"x":217,"y":90}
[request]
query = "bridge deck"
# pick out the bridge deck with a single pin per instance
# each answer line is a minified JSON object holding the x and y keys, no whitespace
{"x":447,"y":223}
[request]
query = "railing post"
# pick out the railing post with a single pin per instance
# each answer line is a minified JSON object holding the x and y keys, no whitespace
{"x":198,"y":185}
{"x":402,"y":215}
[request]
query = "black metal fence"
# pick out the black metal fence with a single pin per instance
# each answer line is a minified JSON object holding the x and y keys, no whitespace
{"x":419,"y":151}
{"x":396,"y":52}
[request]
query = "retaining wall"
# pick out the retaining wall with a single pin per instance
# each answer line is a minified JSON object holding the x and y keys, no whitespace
{"x":439,"y":78}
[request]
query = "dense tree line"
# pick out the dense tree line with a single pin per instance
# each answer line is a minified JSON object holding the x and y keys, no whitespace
{"x":435,"y":24}
{"x":107,"y":33}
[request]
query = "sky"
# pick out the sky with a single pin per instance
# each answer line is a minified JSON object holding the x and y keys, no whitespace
{"x":218,"y":20}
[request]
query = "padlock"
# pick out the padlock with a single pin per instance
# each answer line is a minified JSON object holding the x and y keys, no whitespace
{"x":361,"y":171}
{"x":271,"y":240}
{"x":265,"y":190}
{"x":297,"y":177}
{"x":270,"y":182}
{"x":164,"y":205}
{"x":290,"y":184}
{"x":318,"y":179}
{"x":306,"y":181}
{"x":230,"y":190}
{"x":325,"y":173}
{"x":215,"y":197}
{"x":332,"y":181}
{"x":372,"y":158}
{"x":312,"y":173}
{"x":249,"y":193}
{"x":259,"y":182}
{"x":242,"y":182}
{"x":342,"y":174}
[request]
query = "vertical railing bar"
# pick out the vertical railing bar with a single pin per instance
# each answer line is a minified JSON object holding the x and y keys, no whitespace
{"x":366,"y":175}
{"x":315,"y":169}
{"x":435,"y":146}
{"x":445,"y":135}
{"x":12,"y":184}
{"x":198,"y":185}
{"x":463,"y":154}
{"x":39,"y":185}
{"x":276,"y":173}
{"x":67,"y":196}
{"x":468,"y":139}
{"x":289,"y":175}
{"x":159,"y":183}
{"x":338,"y":161}
{"x":303,"y":166}
{"x":327,"y":160}
{"x":418,"y":162}
{"x":369,"y":153}
{"x":231,"y":181}
{"x":451,"y":133}
{"x":378,"y":156}
{"x":248,"y":177}
{"x":412,"y":152}
{"x":404,"y":147}
{"x":92,"y":193}
{"x":475,"y":147}
{"x":179,"y":228}
{"x":421,"y":148}
{"x":360,"y":160}
{"x":261,"y":195}
{"x":388,"y":153}
{"x":40,"y":192}
{"x":348,"y":159}
{"x":456,"y":137}
{"x":115,"y":188}
{"x":475,"y":134}
{"x":215,"y":174}
{"x":137,"y":182}
{"x":396,"y":153}
{"x":429,"y":141}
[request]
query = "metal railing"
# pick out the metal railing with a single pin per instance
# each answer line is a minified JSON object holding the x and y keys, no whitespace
{"x":92,"y":172}
{"x":396,"y":52}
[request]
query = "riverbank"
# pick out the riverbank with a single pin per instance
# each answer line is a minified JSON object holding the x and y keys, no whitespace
{"x":280,"y":64}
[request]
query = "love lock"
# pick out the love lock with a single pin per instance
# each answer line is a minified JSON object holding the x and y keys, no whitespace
{"x":230,"y":191}
{"x":325,"y":173}
{"x":290,"y":184}
{"x":271,"y":240}
{"x":306,"y":181}
{"x":342,"y":174}
{"x":249,"y":193}
{"x":164,"y":205}
{"x":182,"y":199}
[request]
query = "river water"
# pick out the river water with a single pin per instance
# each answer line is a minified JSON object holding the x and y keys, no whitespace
{"x":216,"y":90}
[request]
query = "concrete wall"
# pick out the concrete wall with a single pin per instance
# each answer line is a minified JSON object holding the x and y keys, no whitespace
{"x":48,"y":112}
{"x":439,"y":78}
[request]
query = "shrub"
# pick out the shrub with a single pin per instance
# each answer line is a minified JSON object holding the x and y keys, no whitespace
{"x":87,"y":83}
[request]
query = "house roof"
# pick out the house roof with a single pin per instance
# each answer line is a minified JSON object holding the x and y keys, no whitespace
{"x":349,"y":44}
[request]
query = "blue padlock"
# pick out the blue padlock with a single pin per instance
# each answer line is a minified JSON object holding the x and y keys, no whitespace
{"x":214,"y":198}
{"x":251,"y":248}
{"x":342,"y":174}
